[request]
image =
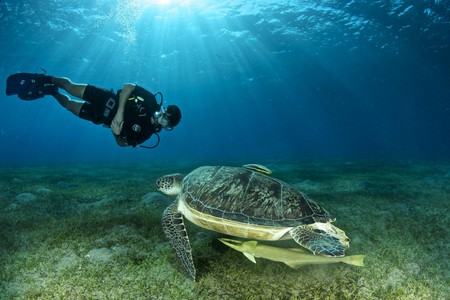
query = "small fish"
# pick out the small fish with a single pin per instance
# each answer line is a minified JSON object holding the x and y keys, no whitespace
{"x":293,"y":257}
{"x":258,"y":168}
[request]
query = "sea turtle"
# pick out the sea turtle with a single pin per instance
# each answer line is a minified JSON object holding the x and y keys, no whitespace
{"x":245,"y":202}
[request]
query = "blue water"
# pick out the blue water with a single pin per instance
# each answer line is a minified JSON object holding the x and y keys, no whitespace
{"x":255,"y":80}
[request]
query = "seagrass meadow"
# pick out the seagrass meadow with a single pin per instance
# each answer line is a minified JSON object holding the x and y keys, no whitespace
{"x":94,"y":232}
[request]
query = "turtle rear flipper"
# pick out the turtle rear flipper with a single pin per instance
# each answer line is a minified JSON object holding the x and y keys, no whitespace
{"x":321,"y":238}
{"x":173,"y":225}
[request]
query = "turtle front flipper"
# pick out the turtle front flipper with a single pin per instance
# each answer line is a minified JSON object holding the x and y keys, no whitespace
{"x":173,"y":225}
{"x":321,"y":238}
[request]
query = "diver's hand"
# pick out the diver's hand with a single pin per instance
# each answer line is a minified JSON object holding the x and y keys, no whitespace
{"x":116,"y":125}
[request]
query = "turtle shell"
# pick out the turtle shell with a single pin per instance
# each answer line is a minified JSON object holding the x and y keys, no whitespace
{"x":246,"y":196}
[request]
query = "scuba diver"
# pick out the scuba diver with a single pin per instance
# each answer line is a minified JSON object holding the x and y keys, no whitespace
{"x":132,"y":113}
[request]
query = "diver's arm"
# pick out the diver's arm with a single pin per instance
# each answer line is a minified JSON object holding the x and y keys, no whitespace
{"x":117,"y":122}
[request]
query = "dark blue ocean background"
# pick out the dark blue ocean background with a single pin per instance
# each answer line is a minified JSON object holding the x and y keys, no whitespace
{"x":255,"y":80}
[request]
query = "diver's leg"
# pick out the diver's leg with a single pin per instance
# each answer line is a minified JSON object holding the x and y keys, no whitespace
{"x":71,"y":105}
{"x":75,"y":89}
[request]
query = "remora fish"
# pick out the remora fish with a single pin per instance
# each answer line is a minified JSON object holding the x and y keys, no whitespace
{"x":293,"y":257}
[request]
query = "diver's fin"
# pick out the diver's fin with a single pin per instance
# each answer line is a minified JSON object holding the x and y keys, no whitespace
{"x":38,"y":92}
{"x":21,"y":82}
{"x":29,"y":86}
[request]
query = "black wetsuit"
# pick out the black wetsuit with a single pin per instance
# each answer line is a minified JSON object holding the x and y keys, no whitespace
{"x":101,"y":107}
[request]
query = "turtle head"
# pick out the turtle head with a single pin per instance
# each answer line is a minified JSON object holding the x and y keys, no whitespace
{"x":170,"y":184}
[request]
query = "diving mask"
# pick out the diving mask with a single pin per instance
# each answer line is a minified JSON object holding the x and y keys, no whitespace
{"x":162,"y":119}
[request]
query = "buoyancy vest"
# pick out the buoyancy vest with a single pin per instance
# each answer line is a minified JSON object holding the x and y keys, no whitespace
{"x":139,"y":109}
